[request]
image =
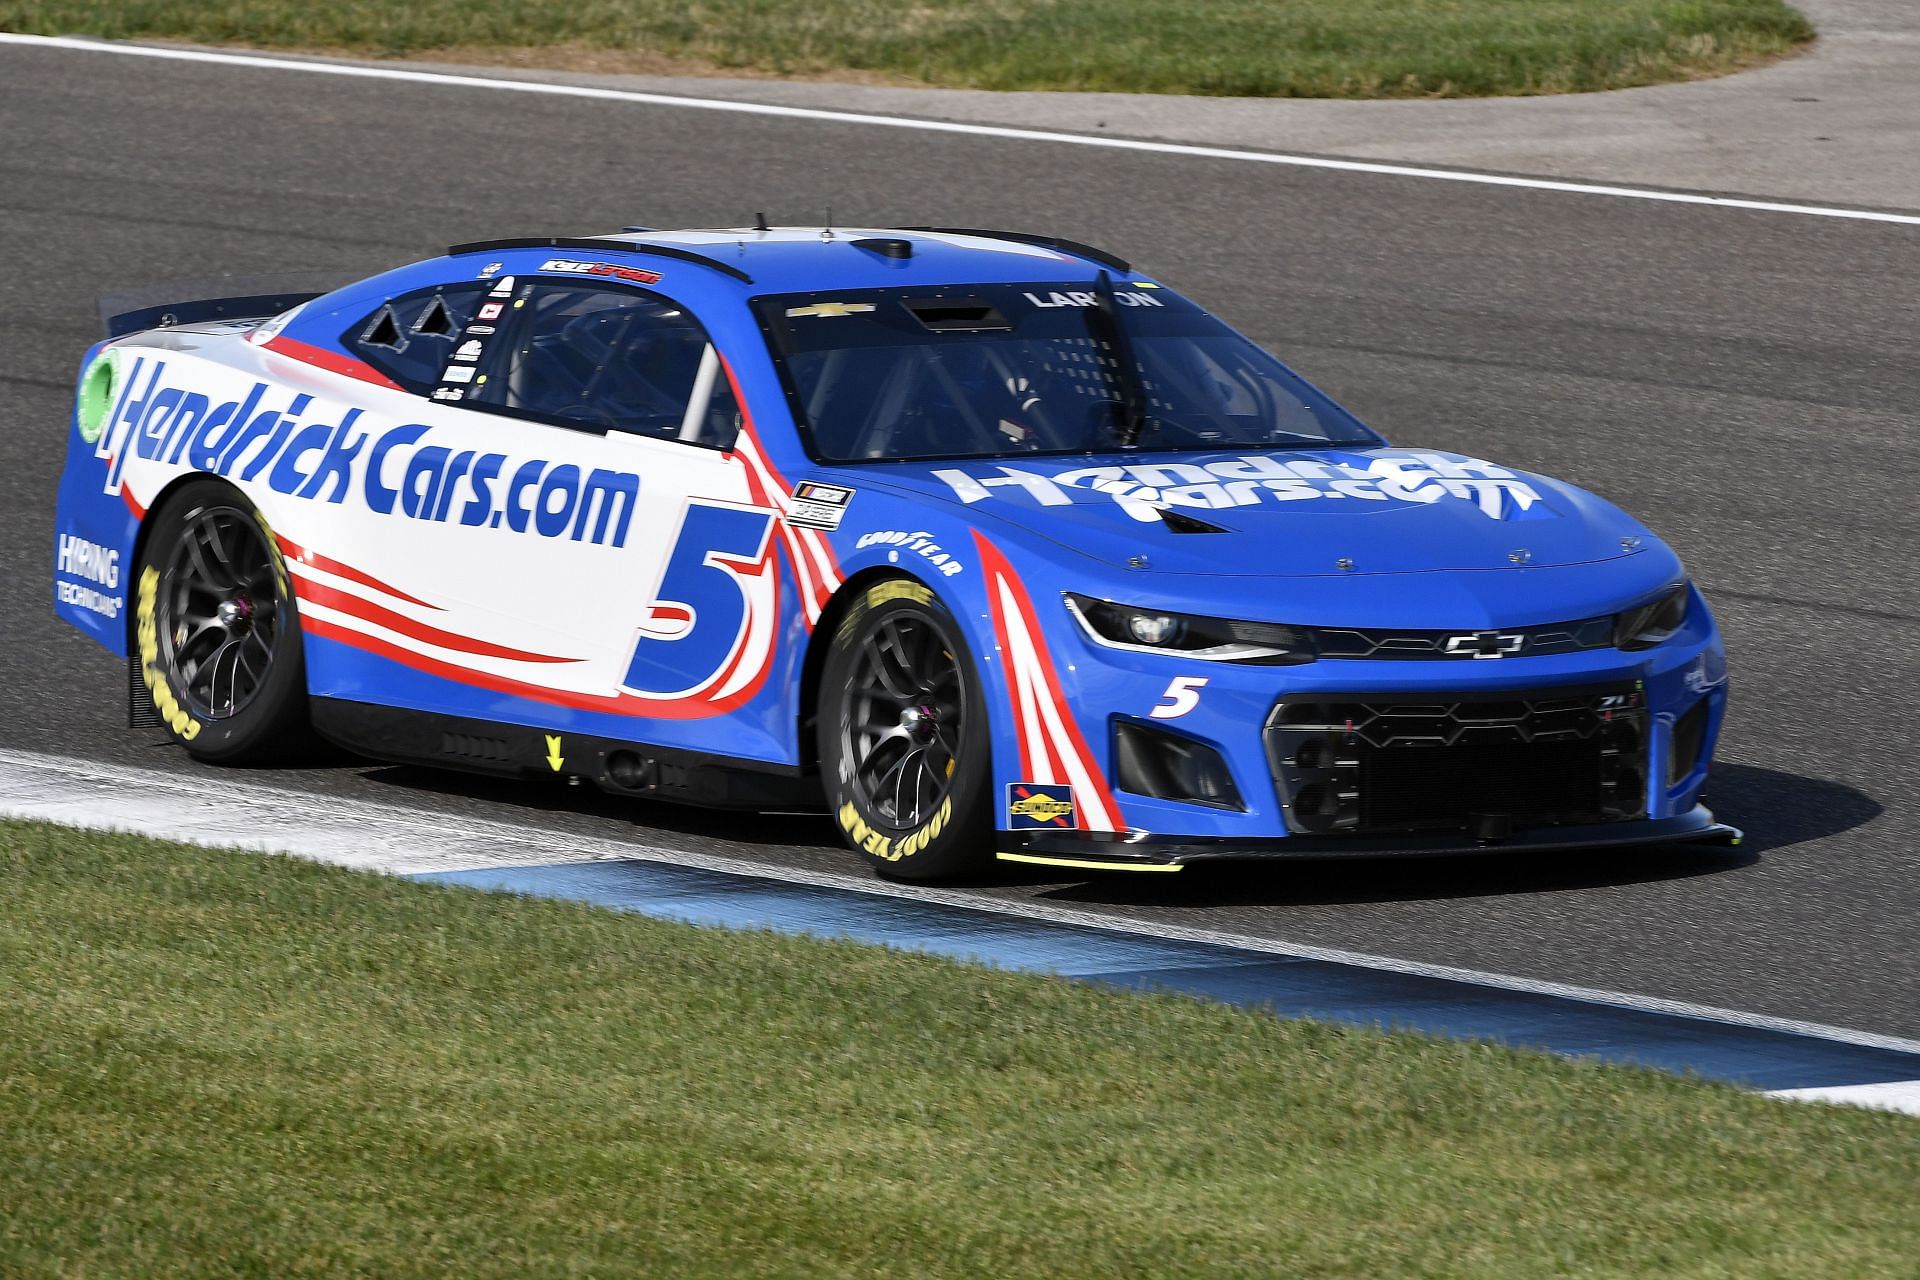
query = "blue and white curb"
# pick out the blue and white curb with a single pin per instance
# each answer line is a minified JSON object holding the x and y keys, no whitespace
{"x":1785,"y":1058}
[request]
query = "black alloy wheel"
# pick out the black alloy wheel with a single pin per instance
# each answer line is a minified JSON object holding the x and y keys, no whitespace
{"x":218,"y":612}
{"x":217,"y":634}
{"x":903,"y":713}
{"x":904,"y":736}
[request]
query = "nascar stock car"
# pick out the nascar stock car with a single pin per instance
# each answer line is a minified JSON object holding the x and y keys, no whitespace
{"x":989,"y":543}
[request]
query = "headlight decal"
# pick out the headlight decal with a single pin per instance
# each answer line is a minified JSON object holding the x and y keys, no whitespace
{"x":1143,"y":630}
{"x":1647,"y":625}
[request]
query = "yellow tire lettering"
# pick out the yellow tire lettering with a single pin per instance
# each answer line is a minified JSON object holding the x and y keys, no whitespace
{"x":891,"y":850}
{"x":147,"y":634}
{"x":899,"y":589}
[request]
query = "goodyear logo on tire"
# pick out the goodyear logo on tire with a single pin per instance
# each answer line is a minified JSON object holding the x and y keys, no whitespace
{"x":1038,"y":806}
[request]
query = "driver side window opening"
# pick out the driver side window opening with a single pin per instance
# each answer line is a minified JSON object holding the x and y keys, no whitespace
{"x":612,"y":359}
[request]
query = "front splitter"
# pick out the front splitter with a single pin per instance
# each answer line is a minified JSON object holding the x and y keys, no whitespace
{"x":1145,"y":851}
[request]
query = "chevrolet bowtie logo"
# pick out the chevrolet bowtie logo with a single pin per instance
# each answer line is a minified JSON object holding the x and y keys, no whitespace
{"x":1484,"y":644}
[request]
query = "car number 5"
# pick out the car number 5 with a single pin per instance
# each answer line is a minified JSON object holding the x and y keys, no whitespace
{"x":1182,"y":696}
{"x":700,"y":617}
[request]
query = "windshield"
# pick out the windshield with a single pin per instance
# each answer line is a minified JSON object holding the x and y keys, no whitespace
{"x":988,"y":371}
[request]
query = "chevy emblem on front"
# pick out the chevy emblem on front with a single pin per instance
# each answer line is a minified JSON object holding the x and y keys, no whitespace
{"x":1485,"y":644}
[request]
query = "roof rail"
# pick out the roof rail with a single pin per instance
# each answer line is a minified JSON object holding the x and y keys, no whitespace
{"x":600,"y":246}
{"x":1074,"y":247}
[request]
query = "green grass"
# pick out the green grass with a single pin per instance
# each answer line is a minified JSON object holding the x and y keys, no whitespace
{"x":1264,"y":48}
{"x":221,"y":1064}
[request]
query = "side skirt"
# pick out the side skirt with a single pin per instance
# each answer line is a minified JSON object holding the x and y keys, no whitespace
{"x":517,"y":751}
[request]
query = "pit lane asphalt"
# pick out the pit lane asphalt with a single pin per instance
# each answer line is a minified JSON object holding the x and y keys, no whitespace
{"x":1745,"y":382}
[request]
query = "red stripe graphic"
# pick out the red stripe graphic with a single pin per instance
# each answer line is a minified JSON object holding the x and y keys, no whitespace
{"x":613,"y":704}
{"x":1053,"y":758}
{"x":133,"y":503}
{"x":816,"y":570}
{"x":329,"y":565}
{"x":367,"y":611}
{"x":331,"y":361}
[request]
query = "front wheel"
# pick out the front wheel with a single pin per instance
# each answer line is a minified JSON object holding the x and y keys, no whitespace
{"x":903,"y":738}
{"x":216,"y":633}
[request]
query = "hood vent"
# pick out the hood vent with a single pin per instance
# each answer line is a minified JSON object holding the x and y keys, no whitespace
{"x":1180,"y":522}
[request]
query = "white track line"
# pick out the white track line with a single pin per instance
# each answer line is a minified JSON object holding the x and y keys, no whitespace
{"x":207,"y":807}
{"x":446,"y":80}
{"x":1901,"y":1095}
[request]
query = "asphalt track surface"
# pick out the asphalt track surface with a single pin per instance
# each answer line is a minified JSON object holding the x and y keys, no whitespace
{"x":1743,"y":381}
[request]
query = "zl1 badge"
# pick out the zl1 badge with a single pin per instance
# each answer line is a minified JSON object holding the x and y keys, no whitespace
{"x":1038,"y":806}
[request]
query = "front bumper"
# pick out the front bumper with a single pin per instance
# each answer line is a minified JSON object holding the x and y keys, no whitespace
{"x":1141,"y":851}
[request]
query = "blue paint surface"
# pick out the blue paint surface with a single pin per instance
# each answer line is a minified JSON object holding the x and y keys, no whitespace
{"x":1290,"y":987}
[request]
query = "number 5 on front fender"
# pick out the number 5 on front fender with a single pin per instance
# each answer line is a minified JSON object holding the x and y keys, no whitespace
{"x":718,"y":579}
{"x":1182,"y":696}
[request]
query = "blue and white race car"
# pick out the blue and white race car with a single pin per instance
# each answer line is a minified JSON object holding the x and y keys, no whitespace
{"x":990,"y":543}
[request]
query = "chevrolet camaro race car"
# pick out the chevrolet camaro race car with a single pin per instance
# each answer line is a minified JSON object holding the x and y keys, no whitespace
{"x":988,"y":542}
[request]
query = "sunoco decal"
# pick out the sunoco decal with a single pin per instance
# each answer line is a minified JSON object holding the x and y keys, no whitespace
{"x":1038,"y":806}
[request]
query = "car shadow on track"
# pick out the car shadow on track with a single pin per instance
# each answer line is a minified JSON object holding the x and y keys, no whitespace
{"x":639,"y":817}
{"x":1777,"y":811}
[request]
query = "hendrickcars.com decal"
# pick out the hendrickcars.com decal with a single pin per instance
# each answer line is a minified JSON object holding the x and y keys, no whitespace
{"x":276,"y":437}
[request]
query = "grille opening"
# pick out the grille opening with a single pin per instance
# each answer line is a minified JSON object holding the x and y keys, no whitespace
{"x":1483,"y":766}
{"x":1152,"y":762}
{"x":1689,"y":736}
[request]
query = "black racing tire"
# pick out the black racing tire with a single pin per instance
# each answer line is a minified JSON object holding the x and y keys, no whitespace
{"x":903,"y":736}
{"x":216,"y":631}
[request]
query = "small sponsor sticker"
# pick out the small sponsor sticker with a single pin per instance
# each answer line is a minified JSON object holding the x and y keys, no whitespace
{"x":606,"y":270}
{"x":501,"y":287}
{"x":1038,"y":806}
{"x":818,"y":506}
{"x":458,"y":373}
{"x":489,"y":311}
{"x":448,"y":393}
{"x":482,"y":329}
{"x":490,"y":270}
{"x":468,"y":351}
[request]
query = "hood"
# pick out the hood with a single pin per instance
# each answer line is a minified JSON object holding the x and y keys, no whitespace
{"x":1288,"y":514}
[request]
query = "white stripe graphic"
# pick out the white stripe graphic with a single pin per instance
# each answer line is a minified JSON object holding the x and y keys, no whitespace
{"x":1039,"y":760}
{"x":1427,"y":172}
{"x":1037,"y":701}
{"x":807,"y":550}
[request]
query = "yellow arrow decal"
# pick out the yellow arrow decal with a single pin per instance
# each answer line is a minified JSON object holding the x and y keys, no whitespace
{"x":554,"y":758}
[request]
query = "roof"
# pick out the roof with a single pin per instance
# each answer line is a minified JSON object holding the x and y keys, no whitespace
{"x":801,"y":259}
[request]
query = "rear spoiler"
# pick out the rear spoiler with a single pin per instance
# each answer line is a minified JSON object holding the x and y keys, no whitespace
{"x":197,"y":302}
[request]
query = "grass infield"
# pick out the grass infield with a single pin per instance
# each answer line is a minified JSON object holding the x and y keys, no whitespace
{"x":223,"y":1064}
{"x":1259,"y":48}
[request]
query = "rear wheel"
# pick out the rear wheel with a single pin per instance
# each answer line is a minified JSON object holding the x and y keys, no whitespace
{"x":216,"y":632}
{"x":903,"y":736}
